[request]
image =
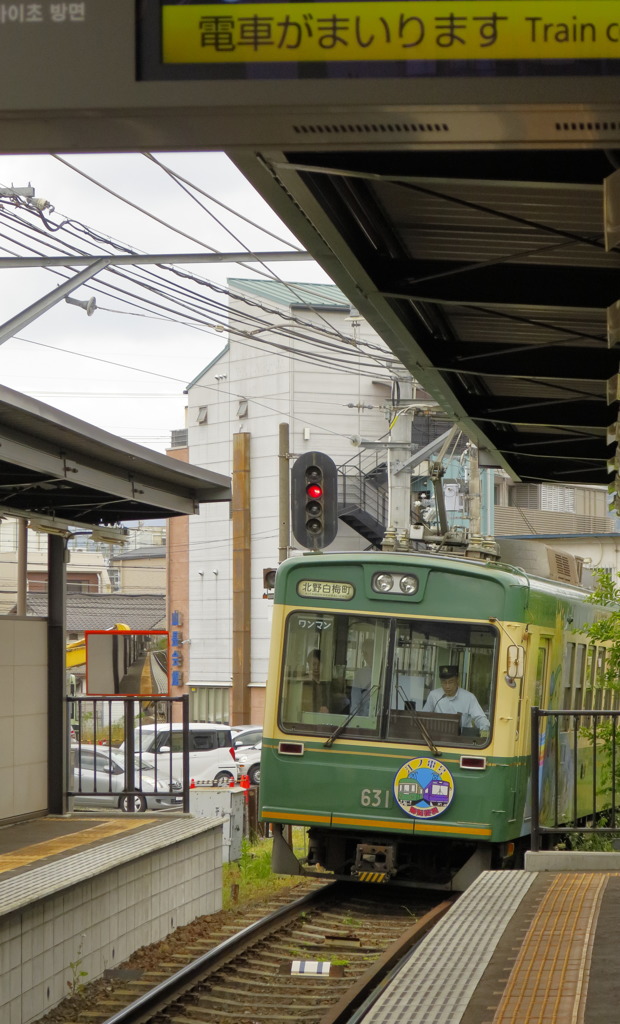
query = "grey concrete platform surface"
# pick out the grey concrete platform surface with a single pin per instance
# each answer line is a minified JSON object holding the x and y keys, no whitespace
{"x":94,"y":888}
{"x":531,"y":947}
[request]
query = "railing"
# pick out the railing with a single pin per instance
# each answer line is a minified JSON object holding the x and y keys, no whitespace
{"x":109,"y":763}
{"x":356,"y":490}
{"x":159,"y":670}
{"x":575,"y":773}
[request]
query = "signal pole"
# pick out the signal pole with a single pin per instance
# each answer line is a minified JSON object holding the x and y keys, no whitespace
{"x":397,"y":535}
{"x":284,"y":492}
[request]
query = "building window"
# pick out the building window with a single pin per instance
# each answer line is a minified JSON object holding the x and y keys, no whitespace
{"x":557,"y":499}
{"x":209,"y":704}
{"x":546,"y":497}
{"x":82,"y":585}
{"x":115,"y":578}
{"x":524,"y":496}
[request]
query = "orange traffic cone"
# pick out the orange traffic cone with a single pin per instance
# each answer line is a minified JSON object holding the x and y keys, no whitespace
{"x":192,"y":784}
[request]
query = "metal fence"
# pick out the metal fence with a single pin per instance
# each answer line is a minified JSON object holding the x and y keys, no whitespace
{"x":575,"y":773}
{"x":109,"y":763}
{"x":354,"y":488}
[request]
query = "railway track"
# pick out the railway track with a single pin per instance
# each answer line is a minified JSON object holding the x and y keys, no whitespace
{"x":351,"y":936}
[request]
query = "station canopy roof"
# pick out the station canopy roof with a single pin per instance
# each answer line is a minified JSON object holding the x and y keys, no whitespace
{"x":56,"y":467}
{"x":486,"y":273}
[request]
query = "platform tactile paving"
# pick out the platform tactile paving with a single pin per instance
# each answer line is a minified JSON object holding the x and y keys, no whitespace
{"x":20,"y":890}
{"x":548,"y":982}
{"x":437,"y":981}
{"x":61,"y":844}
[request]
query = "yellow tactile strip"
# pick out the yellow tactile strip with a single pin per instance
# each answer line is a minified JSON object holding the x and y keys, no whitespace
{"x":51,"y":847}
{"x":548,"y":981}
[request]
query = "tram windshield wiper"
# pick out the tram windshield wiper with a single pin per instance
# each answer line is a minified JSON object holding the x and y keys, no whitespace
{"x":365,"y":697}
{"x":426,"y":736}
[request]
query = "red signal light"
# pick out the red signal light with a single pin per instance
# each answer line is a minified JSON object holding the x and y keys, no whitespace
{"x":314,"y":491}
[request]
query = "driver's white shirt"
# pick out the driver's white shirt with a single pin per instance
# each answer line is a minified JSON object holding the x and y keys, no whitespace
{"x":463,"y":702}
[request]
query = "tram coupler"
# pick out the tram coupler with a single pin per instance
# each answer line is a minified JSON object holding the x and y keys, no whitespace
{"x":374,"y":863}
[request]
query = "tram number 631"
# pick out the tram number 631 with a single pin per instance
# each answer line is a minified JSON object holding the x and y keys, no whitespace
{"x":375,"y":798}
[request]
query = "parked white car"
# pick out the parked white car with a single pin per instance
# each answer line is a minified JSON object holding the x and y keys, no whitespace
{"x":249,"y":762}
{"x":211,"y":751}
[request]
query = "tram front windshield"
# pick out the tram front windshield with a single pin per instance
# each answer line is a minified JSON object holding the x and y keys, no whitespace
{"x":391,"y":679}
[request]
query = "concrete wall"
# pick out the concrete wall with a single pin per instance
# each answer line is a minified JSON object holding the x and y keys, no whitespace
{"x":142,"y":575}
{"x":99,"y":923}
{"x":531,"y":554}
{"x":23,"y":723}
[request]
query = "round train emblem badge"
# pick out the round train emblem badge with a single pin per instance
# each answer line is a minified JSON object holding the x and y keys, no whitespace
{"x":423,"y":787}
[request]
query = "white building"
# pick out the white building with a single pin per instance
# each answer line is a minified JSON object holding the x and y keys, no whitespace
{"x":295,"y":370}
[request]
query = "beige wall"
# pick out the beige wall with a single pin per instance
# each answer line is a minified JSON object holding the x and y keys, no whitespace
{"x":510,"y":521}
{"x":23,"y":723}
{"x":142,"y":575}
{"x":81,"y":562}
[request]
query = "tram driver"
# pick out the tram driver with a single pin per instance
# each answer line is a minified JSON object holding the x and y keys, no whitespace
{"x":450,"y":698}
{"x":320,"y":694}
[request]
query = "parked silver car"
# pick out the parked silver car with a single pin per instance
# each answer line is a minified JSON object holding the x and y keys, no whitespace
{"x":99,"y":780}
{"x":246,"y":736}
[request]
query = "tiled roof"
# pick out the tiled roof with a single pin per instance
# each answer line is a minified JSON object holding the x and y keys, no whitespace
{"x":103,"y":611}
{"x":294,"y":293}
{"x":152,"y":551}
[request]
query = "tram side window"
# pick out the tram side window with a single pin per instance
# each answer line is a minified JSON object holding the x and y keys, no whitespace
{"x":610,"y":694}
{"x":574,"y":670}
{"x":568,"y":670}
{"x":540,"y":688}
{"x":578,"y":677}
{"x":588,"y":695}
{"x":599,"y":684}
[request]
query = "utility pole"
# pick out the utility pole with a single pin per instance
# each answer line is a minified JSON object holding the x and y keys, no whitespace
{"x":474,"y":493}
{"x":284,"y":492}
{"x":397,"y":535}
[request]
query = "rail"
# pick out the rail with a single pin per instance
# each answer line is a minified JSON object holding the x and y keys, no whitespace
{"x":575,"y":773}
{"x":167,"y":990}
{"x":333,"y":919}
{"x":103,"y":724}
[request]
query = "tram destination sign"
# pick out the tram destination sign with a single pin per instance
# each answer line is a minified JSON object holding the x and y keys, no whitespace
{"x":379,"y":38}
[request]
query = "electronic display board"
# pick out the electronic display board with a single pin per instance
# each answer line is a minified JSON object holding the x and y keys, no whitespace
{"x":302,"y":39}
{"x":95,"y":75}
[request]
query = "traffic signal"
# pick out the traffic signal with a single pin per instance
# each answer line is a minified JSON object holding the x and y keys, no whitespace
{"x":314,"y":500}
{"x":269,"y":579}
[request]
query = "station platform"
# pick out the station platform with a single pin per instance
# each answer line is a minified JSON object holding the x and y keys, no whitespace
{"x":538,"y":946}
{"x":91,"y":888}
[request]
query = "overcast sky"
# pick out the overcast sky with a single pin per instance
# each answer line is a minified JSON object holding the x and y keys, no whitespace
{"x":51,"y":359}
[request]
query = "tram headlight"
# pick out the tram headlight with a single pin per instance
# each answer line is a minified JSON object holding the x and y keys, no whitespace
{"x":408,"y":584}
{"x":383,"y":582}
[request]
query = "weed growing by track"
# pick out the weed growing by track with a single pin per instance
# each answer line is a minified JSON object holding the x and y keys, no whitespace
{"x":250,"y":877}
